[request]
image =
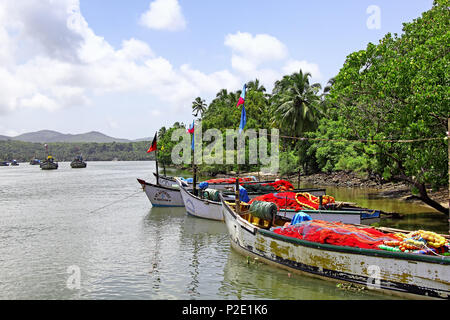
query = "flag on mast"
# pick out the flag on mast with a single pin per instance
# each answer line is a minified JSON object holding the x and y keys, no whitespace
{"x":242,"y":97}
{"x":243,"y":113}
{"x":153,"y":146}
{"x":191,"y":131}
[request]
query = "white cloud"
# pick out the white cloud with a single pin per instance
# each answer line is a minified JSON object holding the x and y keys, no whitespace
{"x":164,"y":15}
{"x":249,"y":52}
{"x":256,"y":56}
{"x":67,"y":64}
{"x":51,"y":59}
{"x":292,"y":66}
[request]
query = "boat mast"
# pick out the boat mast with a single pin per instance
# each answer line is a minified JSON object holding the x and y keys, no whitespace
{"x":156,"y":161}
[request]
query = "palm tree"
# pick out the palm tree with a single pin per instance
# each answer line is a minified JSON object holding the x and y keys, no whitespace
{"x":297,"y":106}
{"x":256,"y":86}
{"x":296,"y":103}
{"x":198,"y":106}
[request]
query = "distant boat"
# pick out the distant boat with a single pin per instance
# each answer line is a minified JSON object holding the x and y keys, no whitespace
{"x":49,"y":164}
{"x":4,"y":164}
{"x":14,"y":163}
{"x":78,"y":163}
{"x":34,"y":162}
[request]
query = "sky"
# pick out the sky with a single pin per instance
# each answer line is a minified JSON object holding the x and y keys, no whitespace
{"x":126,"y":68}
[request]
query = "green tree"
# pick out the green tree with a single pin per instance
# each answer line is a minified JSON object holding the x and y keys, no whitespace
{"x":398,"y":89}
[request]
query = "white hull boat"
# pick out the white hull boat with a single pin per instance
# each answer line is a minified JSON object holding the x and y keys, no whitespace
{"x":162,"y":196}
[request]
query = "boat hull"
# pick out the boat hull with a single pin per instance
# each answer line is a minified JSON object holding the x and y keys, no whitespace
{"x":200,"y":208}
{"x":403,"y":274}
{"x":49,"y":166}
{"x":350,"y":217}
{"x":161,"y":196}
{"x":78,"y":165}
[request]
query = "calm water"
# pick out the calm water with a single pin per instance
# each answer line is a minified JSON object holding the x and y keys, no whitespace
{"x":98,"y":221}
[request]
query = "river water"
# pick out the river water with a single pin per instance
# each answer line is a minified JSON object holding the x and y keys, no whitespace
{"x":92,"y":234}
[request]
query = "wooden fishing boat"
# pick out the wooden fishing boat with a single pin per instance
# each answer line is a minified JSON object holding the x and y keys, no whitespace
{"x":34,"y":162}
{"x":345,"y":215}
{"x":200,"y":207}
{"x":162,"y":196}
{"x":49,"y":164}
{"x":399,"y":273}
{"x":78,"y":163}
{"x":170,"y":181}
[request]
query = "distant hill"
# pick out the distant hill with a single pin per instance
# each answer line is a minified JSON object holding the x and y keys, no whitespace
{"x":47,"y":136}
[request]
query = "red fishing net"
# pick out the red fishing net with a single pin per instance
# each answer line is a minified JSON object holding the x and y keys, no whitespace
{"x":229,"y":180}
{"x":294,"y":201}
{"x":280,"y":185}
{"x":336,"y":233}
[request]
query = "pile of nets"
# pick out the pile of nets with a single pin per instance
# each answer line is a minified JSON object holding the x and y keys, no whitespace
{"x":294,"y":201}
{"x":336,"y":233}
{"x":418,"y":242}
{"x":279,"y":185}
{"x":231,"y":180}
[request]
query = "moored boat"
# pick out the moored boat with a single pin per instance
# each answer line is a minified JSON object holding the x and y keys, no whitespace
{"x":161,"y":195}
{"x":35,"y":161}
{"x":78,"y":163}
{"x":206,"y":204}
{"x":401,"y":273}
{"x":214,"y":183}
{"x":49,"y":164}
{"x":200,"y":207}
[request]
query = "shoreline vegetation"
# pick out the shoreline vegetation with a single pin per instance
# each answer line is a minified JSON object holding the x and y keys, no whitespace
{"x":381,"y":122}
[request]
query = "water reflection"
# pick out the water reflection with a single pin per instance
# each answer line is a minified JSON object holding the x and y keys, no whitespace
{"x":246,"y":279}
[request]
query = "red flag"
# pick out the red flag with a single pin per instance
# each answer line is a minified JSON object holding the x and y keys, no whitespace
{"x":153,"y":146}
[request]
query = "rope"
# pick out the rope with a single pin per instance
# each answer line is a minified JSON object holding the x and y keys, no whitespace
{"x":110,"y":204}
{"x":362,"y":140}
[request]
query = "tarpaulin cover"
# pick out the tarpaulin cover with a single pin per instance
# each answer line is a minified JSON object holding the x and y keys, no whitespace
{"x":336,"y":233}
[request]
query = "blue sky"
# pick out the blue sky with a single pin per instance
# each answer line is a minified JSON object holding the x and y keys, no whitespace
{"x":125,"y":68}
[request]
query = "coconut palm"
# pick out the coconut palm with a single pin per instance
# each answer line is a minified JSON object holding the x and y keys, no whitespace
{"x":198,"y":106}
{"x":296,"y":103}
{"x":256,"y":86}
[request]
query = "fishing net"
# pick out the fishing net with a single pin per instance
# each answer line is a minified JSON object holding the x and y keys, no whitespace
{"x":279,"y":185}
{"x":336,"y":233}
{"x":230,"y":180}
{"x":294,"y":201}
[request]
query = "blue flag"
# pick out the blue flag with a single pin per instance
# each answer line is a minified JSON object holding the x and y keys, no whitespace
{"x":243,"y":119}
{"x":243,"y":114}
{"x":191,"y":131}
